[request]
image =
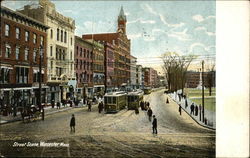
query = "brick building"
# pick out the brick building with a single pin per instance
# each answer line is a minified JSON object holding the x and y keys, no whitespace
{"x":122,"y":50}
{"x":109,"y":66}
{"x":151,"y":78}
{"x":83,"y":67}
{"x":21,"y":41}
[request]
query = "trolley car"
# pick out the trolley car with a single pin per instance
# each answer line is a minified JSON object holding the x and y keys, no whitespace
{"x":115,"y":101}
{"x":134,"y":99}
{"x":147,"y":90}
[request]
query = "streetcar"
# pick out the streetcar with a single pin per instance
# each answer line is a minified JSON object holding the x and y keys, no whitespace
{"x":134,"y":99}
{"x":114,"y":102}
{"x":147,"y":90}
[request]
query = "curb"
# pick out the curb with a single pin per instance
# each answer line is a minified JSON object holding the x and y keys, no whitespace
{"x":192,"y":117}
{"x":20,"y":119}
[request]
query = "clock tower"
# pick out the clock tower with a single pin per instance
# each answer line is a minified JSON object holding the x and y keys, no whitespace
{"x":122,"y":22}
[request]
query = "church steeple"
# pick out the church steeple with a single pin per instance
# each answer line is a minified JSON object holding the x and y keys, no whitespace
{"x":122,"y":21}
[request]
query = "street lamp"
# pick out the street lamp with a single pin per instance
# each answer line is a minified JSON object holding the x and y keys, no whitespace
{"x":40,"y":81}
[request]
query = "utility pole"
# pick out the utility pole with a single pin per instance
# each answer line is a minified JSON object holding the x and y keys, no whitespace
{"x":40,"y":82}
{"x":203,"y":91}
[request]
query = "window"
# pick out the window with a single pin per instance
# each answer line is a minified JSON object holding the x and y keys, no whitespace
{"x":26,"y":54}
{"x":7,"y":51}
{"x":22,"y":75}
{"x":61,"y":35}
{"x":51,"y":50}
{"x":65,"y":37}
{"x":26,"y":36}
{"x":57,"y":37}
{"x":71,"y":41}
{"x":17,"y":33}
{"x":51,"y":33}
{"x":34,"y":54}
{"x":70,"y":55}
{"x":4,"y":75}
{"x":51,"y":64}
{"x":34,"y":38}
{"x":7,"y":30}
{"x":77,"y":50}
{"x":42,"y":41}
{"x":17,"y":53}
{"x":81,"y":52}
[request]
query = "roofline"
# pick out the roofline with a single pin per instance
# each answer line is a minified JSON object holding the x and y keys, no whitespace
{"x":24,"y":16}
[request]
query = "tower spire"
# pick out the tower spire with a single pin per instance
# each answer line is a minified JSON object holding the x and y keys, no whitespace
{"x":122,"y":15}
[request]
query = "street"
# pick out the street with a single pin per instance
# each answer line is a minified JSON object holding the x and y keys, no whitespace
{"x":123,"y":134}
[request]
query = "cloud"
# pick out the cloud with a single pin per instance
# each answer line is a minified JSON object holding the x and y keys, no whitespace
{"x":205,"y":30}
{"x":198,"y":18}
{"x":201,"y":45}
{"x":149,"y":9}
{"x":141,"y":21}
{"x":149,"y":38}
{"x":182,"y":36}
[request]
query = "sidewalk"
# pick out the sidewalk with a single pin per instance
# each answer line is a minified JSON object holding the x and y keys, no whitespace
{"x":209,"y":115}
{"x":48,"y":111}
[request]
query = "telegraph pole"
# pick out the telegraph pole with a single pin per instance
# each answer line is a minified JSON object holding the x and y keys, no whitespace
{"x":203,"y":91}
{"x":40,"y":82}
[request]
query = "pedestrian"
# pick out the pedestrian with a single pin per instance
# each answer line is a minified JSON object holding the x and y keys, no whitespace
{"x":53,"y":103}
{"x":154,"y":125}
{"x":167,"y":101}
{"x":180,"y":109}
{"x":186,"y":103}
{"x":192,"y":108}
{"x":58,"y":104}
{"x":89,"y":105}
{"x":150,"y":112}
{"x":196,"y":110}
{"x":100,"y":107}
{"x":72,"y":123}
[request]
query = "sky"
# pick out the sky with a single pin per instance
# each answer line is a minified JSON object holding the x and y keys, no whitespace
{"x":154,"y":27}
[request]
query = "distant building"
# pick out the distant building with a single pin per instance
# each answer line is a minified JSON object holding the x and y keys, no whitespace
{"x":21,"y":40}
{"x":139,"y":77}
{"x":133,"y":72}
{"x":60,"y":46}
{"x":150,"y":77}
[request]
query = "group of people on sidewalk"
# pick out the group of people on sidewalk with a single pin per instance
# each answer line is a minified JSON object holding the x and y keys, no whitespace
{"x":146,"y":107}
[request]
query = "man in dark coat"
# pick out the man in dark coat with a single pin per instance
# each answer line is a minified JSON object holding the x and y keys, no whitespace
{"x":58,"y":104}
{"x":100,"y":107}
{"x":150,"y":112}
{"x":196,"y":110}
{"x":180,"y":109}
{"x":72,"y":123}
{"x":89,"y":105}
{"x":154,"y":125}
{"x":192,"y":109}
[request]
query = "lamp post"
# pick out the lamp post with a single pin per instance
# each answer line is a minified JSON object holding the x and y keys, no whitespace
{"x":40,"y":81}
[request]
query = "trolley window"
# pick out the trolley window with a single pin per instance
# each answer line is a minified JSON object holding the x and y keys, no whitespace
{"x":114,"y":100}
{"x":109,"y":100}
{"x":105,"y":100}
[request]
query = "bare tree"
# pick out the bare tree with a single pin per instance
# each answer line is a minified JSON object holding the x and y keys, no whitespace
{"x":175,"y":67}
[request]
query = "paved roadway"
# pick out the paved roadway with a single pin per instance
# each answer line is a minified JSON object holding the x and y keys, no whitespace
{"x":124,"y":134}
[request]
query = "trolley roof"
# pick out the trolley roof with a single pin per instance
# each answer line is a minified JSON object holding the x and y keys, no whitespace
{"x":138,"y":92}
{"x":113,"y":94}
